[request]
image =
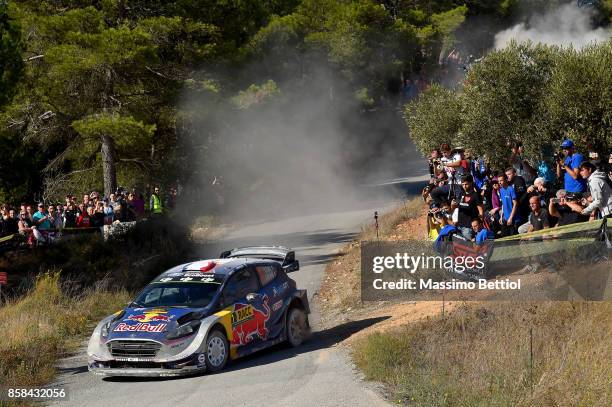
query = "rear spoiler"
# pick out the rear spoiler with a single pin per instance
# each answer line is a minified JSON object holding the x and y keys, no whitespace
{"x":279,"y":253}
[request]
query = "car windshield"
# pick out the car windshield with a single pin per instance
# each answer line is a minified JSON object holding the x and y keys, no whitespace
{"x":193,"y":295}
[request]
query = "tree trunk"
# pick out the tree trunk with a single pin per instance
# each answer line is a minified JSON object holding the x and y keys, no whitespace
{"x":109,"y":169}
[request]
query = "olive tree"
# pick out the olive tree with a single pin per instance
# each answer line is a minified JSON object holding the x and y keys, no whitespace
{"x":433,"y":118}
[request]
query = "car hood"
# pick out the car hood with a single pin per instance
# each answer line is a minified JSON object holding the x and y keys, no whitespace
{"x":149,"y":323}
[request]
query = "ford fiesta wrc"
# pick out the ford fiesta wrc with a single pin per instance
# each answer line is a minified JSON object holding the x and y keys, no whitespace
{"x":197,"y":316}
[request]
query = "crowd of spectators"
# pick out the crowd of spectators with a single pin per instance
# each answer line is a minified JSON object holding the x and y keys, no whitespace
{"x":44,"y":222}
{"x":469,"y":198}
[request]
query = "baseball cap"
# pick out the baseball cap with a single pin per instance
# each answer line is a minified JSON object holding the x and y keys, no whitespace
{"x":567,"y":144}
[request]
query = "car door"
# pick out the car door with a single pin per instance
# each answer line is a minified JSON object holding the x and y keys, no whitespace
{"x":272,"y":296}
{"x":249,"y":315}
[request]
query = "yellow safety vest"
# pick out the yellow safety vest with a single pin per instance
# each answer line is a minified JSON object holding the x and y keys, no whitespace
{"x":157,"y":205}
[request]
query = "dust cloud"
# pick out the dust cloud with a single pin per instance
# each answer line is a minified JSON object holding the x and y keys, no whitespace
{"x":568,"y":25}
{"x":310,"y":148}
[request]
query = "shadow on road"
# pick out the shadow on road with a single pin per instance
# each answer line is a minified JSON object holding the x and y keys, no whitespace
{"x":319,"y":340}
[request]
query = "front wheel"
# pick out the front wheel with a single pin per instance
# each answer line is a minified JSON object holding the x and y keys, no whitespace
{"x":297,"y":326}
{"x":217,"y":351}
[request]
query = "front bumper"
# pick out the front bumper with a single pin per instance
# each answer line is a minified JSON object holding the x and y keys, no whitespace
{"x":106,"y":370}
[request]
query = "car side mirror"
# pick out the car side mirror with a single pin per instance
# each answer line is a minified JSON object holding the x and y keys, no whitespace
{"x":292,"y":266}
{"x":252,"y":297}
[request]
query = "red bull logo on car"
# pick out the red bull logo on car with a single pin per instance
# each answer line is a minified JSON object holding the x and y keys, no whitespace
{"x":140,"y":327}
{"x":153,"y":315}
{"x":248,"y":321}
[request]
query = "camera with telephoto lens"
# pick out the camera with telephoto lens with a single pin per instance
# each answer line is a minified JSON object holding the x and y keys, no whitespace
{"x":558,"y":157}
{"x":435,"y":166}
{"x":438,"y":214}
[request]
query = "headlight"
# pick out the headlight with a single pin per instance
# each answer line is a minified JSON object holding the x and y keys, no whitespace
{"x":105,"y":329}
{"x":184,"y":330}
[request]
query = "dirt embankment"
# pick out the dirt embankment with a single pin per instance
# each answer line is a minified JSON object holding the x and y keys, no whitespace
{"x":340,"y":292}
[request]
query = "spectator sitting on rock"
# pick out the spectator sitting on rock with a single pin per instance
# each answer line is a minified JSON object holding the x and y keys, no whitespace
{"x":481,"y":234}
{"x":538,"y":218}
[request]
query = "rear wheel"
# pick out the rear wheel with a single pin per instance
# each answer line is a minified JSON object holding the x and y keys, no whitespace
{"x":298,"y":329}
{"x":217,"y":350}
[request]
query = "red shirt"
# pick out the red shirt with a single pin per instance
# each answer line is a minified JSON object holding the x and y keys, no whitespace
{"x":83,"y":221}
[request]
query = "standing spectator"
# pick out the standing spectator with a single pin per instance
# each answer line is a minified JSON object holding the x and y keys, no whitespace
{"x":55,"y":220}
{"x":108,"y":212}
{"x":30,"y":213}
{"x":599,"y":188}
{"x":572,"y":181}
{"x":81,"y":209}
{"x":478,"y":169}
{"x":155,"y":202}
{"x":492,"y":204}
{"x":170,"y":203}
{"x":469,"y":207}
{"x":70,"y":216}
{"x":510,"y":216}
{"x":25,"y":228}
{"x":84,"y":220}
{"x":451,"y":161}
{"x":136,"y":201}
{"x":97,"y":218}
{"x":41,"y":218}
{"x":521,"y":166}
{"x":86,"y":200}
{"x":10,"y":224}
{"x":520,"y":189}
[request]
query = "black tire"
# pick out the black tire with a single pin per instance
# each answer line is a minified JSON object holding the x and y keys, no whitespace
{"x":217,"y":350}
{"x":296,"y":326}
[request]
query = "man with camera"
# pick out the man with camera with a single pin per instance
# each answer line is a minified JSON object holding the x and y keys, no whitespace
{"x":435,"y":164}
{"x":566,"y":208}
{"x":601,"y":193}
{"x":568,"y":163}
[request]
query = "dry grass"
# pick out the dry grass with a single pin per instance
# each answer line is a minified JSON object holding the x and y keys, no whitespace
{"x":479,"y":353}
{"x":341,"y":289}
{"x":480,"y":356}
{"x":46,"y":324}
